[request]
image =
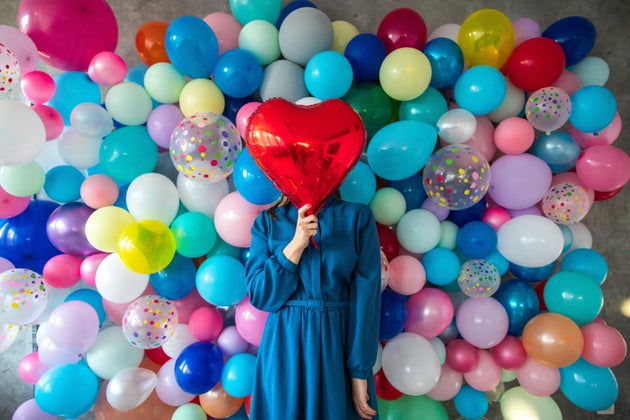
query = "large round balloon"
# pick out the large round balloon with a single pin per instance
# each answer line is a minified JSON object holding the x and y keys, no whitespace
{"x":19,"y":121}
{"x":486,"y":37}
{"x":198,"y":367}
{"x":149,"y":321}
{"x":548,"y":108}
{"x":23,"y":296}
{"x":535,"y":63}
{"x":191,"y":46}
{"x":575,"y":34}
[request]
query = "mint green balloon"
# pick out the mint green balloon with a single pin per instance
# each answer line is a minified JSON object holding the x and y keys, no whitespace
{"x":388,"y":206}
{"x":164,"y":83}
{"x":448,"y":237}
{"x":515,"y":401}
{"x":261,"y":39}
{"x":189,"y":411}
{"x":421,"y":406}
{"x":22,"y":180}
{"x":128,"y":103}
{"x":194,"y":233}
{"x":419,"y":231}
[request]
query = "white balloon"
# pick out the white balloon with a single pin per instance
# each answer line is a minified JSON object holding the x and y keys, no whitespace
{"x":112,"y":353}
{"x":448,"y":30}
{"x":153,"y":196}
{"x":130,"y":387}
{"x":23,"y":133}
{"x":118,"y":284}
{"x":78,"y":150}
{"x":582,"y":236}
{"x":456,"y":125}
{"x":530,"y":240}
{"x":201,"y":197}
{"x":181,"y":339}
{"x":512,"y":104}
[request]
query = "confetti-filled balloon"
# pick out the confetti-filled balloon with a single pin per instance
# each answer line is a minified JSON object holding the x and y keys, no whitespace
{"x":384,"y":270}
{"x":456,"y":177}
{"x":8,"y":334}
{"x":149,"y":321}
{"x":23,"y":296}
{"x":479,"y":278}
{"x":566,"y":203}
{"x":548,"y":108}
{"x":204,"y":147}
{"x":9,"y":72}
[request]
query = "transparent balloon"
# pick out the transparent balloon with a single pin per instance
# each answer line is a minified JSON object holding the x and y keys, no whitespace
{"x":149,"y":321}
{"x":548,"y":109}
{"x":479,"y":278}
{"x":566,"y":203}
{"x":23,"y":295}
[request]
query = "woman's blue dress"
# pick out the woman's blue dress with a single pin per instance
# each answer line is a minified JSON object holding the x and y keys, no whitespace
{"x":323,"y":323}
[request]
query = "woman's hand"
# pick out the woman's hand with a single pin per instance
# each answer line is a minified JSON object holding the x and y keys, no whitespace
{"x":360,"y":397}
{"x":305,"y":229}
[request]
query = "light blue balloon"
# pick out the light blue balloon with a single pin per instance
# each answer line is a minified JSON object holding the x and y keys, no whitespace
{"x":136,"y":74}
{"x":499,"y":261}
{"x":441,"y":266}
{"x":328,"y":75}
{"x":589,"y":387}
{"x":471,"y":403}
{"x":588,"y":262}
{"x":401,"y":149}
{"x":428,"y":107}
{"x":558,"y":150}
{"x":592,"y":108}
{"x":63,"y":183}
{"x":360,"y":185}
{"x":128,"y":152}
{"x":67,"y":390}
{"x":191,"y":46}
{"x":251,"y":182}
{"x":237,"y":377}
{"x":71,"y":89}
{"x":220,"y":280}
{"x":480,"y":89}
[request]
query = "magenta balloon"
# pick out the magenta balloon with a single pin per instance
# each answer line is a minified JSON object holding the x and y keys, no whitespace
{"x":483,"y":322}
{"x":66,"y":229}
{"x":509,"y":353}
{"x":461,"y":356}
{"x":603,"y":168}
{"x":250,"y":321}
{"x":429,"y":312}
{"x":519,"y":181}
{"x":11,"y":205}
{"x":69,"y":33}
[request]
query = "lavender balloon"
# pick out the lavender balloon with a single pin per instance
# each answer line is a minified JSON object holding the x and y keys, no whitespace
{"x":66,"y":229}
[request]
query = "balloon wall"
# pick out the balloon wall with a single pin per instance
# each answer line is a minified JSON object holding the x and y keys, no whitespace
{"x":128,"y":193}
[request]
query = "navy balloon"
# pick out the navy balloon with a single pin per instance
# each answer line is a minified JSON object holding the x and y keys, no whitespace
{"x":192,"y":46}
{"x":393,"y":314}
{"x":463,"y":216}
{"x":520,"y":302}
{"x":233,"y":105}
{"x":412,"y":189}
{"x":447,"y":62}
{"x":366,"y":53}
{"x":251,"y":182}
{"x":575,"y":34}
{"x":198,"y":367}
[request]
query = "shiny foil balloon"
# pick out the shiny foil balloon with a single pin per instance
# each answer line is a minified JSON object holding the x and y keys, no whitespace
{"x":306,"y":150}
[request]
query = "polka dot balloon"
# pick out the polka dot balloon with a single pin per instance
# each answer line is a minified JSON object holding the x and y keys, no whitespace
{"x":548,"y":109}
{"x":456,"y":176}
{"x":479,"y":278}
{"x":8,"y":334}
{"x":23,"y":296}
{"x":204,"y":146}
{"x":565,"y":203}
{"x":149,"y":321}
{"x":9,"y":72}
{"x":384,"y":270}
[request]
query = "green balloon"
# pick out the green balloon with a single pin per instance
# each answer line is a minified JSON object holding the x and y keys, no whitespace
{"x":189,"y":411}
{"x":407,"y":406}
{"x":371,"y":102}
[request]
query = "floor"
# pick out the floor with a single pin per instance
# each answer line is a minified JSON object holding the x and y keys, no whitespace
{"x":608,"y":221}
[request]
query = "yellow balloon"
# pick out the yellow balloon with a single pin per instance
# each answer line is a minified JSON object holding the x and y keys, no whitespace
{"x":343,"y":32}
{"x":405,"y":74}
{"x":486,"y":37}
{"x":104,"y":226}
{"x":146,"y":246}
{"x":201,"y":95}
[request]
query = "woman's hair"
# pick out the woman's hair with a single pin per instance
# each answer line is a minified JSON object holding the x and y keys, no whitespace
{"x":284,"y":200}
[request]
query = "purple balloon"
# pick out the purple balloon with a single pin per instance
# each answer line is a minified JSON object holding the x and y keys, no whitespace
{"x":29,"y":410}
{"x":161,"y":123}
{"x":519,"y":181}
{"x":483,"y":322}
{"x":230,"y":341}
{"x":73,"y":326}
{"x":66,"y":229}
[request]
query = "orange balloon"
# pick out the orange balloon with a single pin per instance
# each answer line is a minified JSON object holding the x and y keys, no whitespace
{"x":152,"y":408}
{"x":553,"y":339}
{"x":219,"y":404}
{"x":150,"y":42}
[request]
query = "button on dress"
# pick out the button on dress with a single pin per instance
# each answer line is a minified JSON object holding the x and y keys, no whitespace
{"x":323,"y":323}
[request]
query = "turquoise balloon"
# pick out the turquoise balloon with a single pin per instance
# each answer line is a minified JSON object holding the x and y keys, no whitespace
{"x":480,"y":89}
{"x":328,"y":75}
{"x":220,"y":280}
{"x":588,"y":262}
{"x":441,"y":266}
{"x":589,"y":387}
{"x":574,"y":295}
{"x":194,"y":233}
{"x":67,"y":390}
{"x":128,"y":152}
{"x":63,"y":183}
{"x":471,"y":403}
{"x":71,"y":89}
{"x":428,"y":107}
{"x":360,"y":185}
{"x":237,"y":376}
{"x":246,"y":11}
{"x":592,"y":108}
{"x":499,"y":261}
{"x":401,"y":149}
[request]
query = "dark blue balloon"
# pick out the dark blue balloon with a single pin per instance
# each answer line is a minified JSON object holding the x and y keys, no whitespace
{"x":290,"y":7}
{"x":238,"y":73}
{"x":198,"y":367}
{"x":476,"y":239}
{"x":192,"y":46}
{"x":366,"y":53}
{"x":461,"y":217}
{"x":575,"y":34}
{"x":520,"y":302}
{"x":589,"y":387}
{"x":393,"y":314}
{"x":412,"y":189}
{"x":175,"y":281}
{"x":531,"y":273}
{"x":23,"y":238}
{"x":251,"y":182}
{"x":233,"y":105}
{"x":447,"y":62}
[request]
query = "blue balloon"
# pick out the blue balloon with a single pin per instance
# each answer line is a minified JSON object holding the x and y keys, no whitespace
{"x":470,"y":214}
{"x":532,"y":274}
{"x":480,"y":89}
{"x":92,"y":298}
{"x":499,"y":261}
{"x":428,"y":107}
{"x":71,"y":89}
{"x":360,"y":185}
{"x":328,"y":75}
{"x":558,"y":150}
{"x":589,"y":387}
{"x":520,"y":302}
{"x":198,"y":367}
{"x":477,"y":239}
{"x":136,"y":73}
{"x":251,"y":182}
{"x":67,"y":390}
{"x":393,"y":314}
{"x":233,"y":105}
{"x":471,"y":403}
{"x":63,"y":183}
{"x":191,"y":46}
{"x":237,"y":377}
{"x":412,"y":189}
{"x":401,"y":149}
{"x":23,"y":238}
{"x":128,"y":152}
{"x":592,"y":108}
{"x":586,"y":261}
{"x":447,"y":62}
{"x":366,"y":53}
{"x":177,"y":280}
{"x":220,"y":280}
{"x":291,"y":7}
{"x":441,"y":266}
{"x":575,"y":34}
{"x":238,"y":73}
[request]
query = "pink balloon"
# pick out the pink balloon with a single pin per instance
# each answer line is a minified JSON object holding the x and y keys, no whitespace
{"x":483,"y":322}
{"x":10,"y":205}
{"x":69,"y":33}
{"x":406,"y":275}
{"x":509,"y":353}
{"x":604,"y":346}
{"x":537,"y":378}
{"x":514,"y":135}
{"x":429,"y":312}
{"x":22,"y":46}
{"x":99,"y":190}
{"x":187,"y":305}
{"x":226,"y":29}
{"x":495,"y":217}
{"x":5,"y":265}
{"x":115,"y":311}
{"x":483,"y":138}
{"x":603,"y":137}
{"x":62,"y":271}
{"x":448,"y":385}
{"x":205,"y":323}
{"x":486,"y":375}
{"x":31,"y":369}
{"x":107,"y":68}
{"x":461,"y":356}
{"x":243,"y":114}
{"x":52,"y":120}
{"x":249,"y":321}
{"x":88,"y":267}
{"x":234,"y":218}
{"x":569,"y":82}
{"x":603,"y":168}
{"x":38,"y":86}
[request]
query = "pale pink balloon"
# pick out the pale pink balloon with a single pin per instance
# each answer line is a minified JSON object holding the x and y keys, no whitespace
{"x":187,"y":305}
{"x":226,"y":29}
{"x":483,"y":138}
{"x":234,"y":218}
{"x":604,"y":346}
{"x":429,"y":312}
{"x":243,"y":114}
{"x":569,"y":82}
{"x":461,"y":356}
{"x":52,"y":120}
{"x":5,"y":265}
{"x":603,"y":168}
{"x":167,"y":388}
{"x":88,"y":267}
{"x":524,"y":29}
{"x":31,"y":369}
{"x":537,"y":378}
{"x":115,"y":311}
{"x":603,"y":137}
{"x":205,"y":323}
{"x":483,"y":322}
{"x":22,"y":46}
{"x":62,"y":271}
{"x":10,"y":205}
{"x":250,"y":321}
{"x":406,"y":275}
{"x":514,"y":135}
{"x":509,"y":353}
{"x":99,"y":190}
{"x":486,"y":375}
{"x":38,"y":86}
{"x":448,"y":385}
{"x":495,"y":217}
{"x":107,"y":68}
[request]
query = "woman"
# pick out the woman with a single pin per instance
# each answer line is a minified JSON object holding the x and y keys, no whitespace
{"x":319,"y":279}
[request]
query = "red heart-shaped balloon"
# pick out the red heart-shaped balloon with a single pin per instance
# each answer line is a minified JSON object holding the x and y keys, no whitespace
{"x":305,"y":150}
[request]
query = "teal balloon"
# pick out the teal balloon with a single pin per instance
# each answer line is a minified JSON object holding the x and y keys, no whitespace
{"x":471,"y":403}
{"x":67,"y":390}
{"x":588,"y":262}
{"x":589,"y":387}
{"x":499,"y":261}
{"x":372,"y":104}
{"x":220,"y":280}
{"x":194,"y":233}
{"x":574,"y":295}
{"x":428,"y":107}
{"x":127,"y":153}
{"x":360,"y":185}
{"x":177,"y":280}
{"x":63,"y":183}
{"x":246,"y":11}
{"x":480,"y":89}
{"x":71,"y":89}
{"x":592,"y":108}
{"x":441,"y":266}
{"x":447,"y":62}
{"x":401,"y":149}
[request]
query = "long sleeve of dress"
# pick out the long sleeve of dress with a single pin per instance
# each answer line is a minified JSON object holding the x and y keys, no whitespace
{"x":271,"y":277}
{"x":363,"y":331}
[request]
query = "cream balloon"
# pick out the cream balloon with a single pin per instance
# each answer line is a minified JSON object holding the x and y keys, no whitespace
{"x":201,"y":197}
{"x":104,"y":226}
{"x":23,"y":133}
{"x":153,"y":196}
{"x":530,"y":240}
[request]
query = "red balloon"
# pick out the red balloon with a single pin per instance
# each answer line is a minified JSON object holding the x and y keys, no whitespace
{"x":535,"y":63}
{"x":306,"y":151}
{"x":69,"y":33}
{"x":605,"y":195}
{"x":388,"y":240}
{"x":402,"y":27}
{"x":384,"y":389}
{"x":540,"y":290}
{"x":157,"y":355}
